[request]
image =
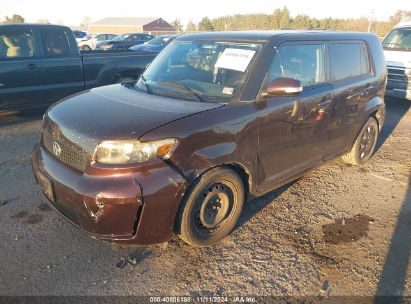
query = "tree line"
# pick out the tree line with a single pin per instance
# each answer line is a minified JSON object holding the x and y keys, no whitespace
{"x":280,"y":19}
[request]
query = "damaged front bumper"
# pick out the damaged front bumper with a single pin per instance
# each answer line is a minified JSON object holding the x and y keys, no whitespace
{"x":129,"y":208}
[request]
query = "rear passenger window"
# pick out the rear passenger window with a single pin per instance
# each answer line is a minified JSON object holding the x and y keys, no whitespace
{"x":16,"y":44}
{"x":304,"y":62}
{"x":348,"y":60}
{"x":55,"y":43}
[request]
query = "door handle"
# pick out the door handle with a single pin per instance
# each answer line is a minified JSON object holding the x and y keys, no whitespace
{"x":2,"y":85}
{"x":32,"y":66}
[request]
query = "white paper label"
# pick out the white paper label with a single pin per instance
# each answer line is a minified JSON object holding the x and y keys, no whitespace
{"x":228,"y":90}
{"x":235,"y":59}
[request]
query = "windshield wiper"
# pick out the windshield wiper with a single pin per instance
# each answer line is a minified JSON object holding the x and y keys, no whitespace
{"x":144,"y":81}
{"x":189,"y":90}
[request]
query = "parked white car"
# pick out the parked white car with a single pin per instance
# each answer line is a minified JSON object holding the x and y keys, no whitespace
{"x":90,"y":41}
{"x":397,"y":50}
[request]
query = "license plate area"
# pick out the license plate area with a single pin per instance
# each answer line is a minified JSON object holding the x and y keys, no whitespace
{"x":46,"y":186}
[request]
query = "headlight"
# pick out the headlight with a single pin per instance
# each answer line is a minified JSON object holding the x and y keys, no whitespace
{"x":127,"y":152}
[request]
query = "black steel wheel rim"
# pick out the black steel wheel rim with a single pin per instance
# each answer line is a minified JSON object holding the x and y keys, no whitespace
{"x":214,"y":207}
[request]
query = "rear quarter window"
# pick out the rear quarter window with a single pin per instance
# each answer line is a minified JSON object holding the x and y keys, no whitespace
{"x":348,"y":60}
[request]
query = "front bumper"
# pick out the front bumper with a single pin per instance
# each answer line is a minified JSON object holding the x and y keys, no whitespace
{"x":129,"y":208}
{"x":398,"y":89}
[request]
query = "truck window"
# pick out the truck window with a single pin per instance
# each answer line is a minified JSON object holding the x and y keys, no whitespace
{"x":398,"y":39}
{"x":55,"y":43}
{"x":16,"y":44}
{"x":348,"y":60}
{"x":304,"y":62}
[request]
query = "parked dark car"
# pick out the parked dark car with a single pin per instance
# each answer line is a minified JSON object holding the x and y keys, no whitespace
{"x":215,"y":119}
{"x":40,"y":64}
{"x":124,"y":42}
{"x":155,"y":45}
{"x":79,"y":35}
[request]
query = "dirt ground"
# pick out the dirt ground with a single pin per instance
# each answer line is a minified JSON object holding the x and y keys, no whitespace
{"x":339,"y":230}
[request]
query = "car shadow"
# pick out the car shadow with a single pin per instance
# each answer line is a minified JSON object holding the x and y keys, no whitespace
{"x":396,"y":108}
{"x":394,"y":274}
{"x":21,"y":117}
{"x":254,"y":205}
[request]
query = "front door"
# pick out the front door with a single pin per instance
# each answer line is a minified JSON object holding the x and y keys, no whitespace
{"x":20,"y":69}
{"x":293,"y":129}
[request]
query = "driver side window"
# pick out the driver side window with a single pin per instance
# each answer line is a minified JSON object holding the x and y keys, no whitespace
{"x":304,"y":62}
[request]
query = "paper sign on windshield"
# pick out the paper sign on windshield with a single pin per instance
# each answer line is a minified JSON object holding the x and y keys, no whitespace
{"x":235,"y":59}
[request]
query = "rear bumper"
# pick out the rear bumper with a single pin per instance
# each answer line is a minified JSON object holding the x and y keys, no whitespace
{"x":130,"y":208}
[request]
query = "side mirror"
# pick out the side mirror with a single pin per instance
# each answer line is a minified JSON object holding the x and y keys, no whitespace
{"x":284,"y":87}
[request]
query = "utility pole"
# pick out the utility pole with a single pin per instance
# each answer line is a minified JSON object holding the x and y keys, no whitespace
{"x":371,"y":20}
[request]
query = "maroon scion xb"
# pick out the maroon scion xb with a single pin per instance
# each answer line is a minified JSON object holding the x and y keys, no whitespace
{"x":215,"y":119}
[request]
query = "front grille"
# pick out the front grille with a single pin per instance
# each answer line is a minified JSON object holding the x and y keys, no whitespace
{"x":70,"y":154}
{"x":396,"y":74}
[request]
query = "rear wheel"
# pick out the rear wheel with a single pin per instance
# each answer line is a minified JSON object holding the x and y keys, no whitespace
{"x":211,"y":208}
{"x":364,"y":145}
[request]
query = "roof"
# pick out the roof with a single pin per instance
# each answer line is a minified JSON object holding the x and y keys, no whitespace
{"x":125,"y":21}
{"x":405,"y":23}
{"x":32,"y":25}
{"x":256,"y":36}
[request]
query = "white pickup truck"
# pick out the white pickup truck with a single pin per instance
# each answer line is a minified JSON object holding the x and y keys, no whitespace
{"x":397,"y":50}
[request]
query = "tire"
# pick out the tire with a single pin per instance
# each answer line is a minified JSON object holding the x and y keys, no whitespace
{"x":211,"y":208}
{"x":364,"y":145}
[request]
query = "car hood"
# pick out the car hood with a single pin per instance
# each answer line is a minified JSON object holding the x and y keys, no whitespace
{"x":116,"y":112}
{"x":398,"y":58}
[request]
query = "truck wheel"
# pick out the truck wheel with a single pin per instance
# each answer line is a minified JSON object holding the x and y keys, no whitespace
{"x":211,"y":208}
{"x":364,"y":145}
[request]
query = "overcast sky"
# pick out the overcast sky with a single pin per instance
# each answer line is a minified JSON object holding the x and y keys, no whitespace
{"x":73,"y":11}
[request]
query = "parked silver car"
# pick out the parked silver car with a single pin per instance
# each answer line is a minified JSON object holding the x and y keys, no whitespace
{"x":90,"y":41}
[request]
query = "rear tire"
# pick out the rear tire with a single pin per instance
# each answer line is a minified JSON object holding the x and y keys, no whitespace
{"x":211,"y":207}
{"x":364,"y":145}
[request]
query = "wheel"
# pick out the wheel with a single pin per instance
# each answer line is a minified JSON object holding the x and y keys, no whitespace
{"x":364,"y":145}
{"x":211,"y":208}
{"x":85,"y":48}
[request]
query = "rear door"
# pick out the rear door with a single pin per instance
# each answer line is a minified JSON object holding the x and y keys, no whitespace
{"x":21,"y":70}
{"x":351,"y":78}
{"x":293,"y":129}
{"x":63,"y":68}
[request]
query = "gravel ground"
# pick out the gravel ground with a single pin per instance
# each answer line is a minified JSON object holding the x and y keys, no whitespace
{"x":339,"y":230}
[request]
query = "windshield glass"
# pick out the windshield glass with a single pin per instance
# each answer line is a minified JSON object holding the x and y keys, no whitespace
{"x":121,"y":37}
{"x":399,"y":39}
{"x":89,"y":36}
{"x":157,"y":41}
{"x":200,"y":71}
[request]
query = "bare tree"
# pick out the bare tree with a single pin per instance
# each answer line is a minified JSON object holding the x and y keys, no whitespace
{"x":14,"y":19}
{"x":43,"y":20}
{"x":86,"y":21}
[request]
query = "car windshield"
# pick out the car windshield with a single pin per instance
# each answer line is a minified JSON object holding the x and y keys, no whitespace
{"x":200,"y":71}
{"x":159,"y":40}
{"x":121,"y":37}
{"x":89,"y":36}
{"x":399,"y":39}
{"x":79,"y":34}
